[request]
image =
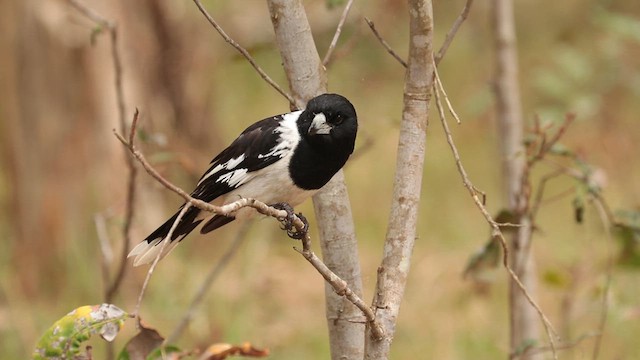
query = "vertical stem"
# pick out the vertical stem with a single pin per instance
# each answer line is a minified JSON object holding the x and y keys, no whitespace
{"x":401,"y":233}
{"x":523,"y":319}
{"x":308,"y":78}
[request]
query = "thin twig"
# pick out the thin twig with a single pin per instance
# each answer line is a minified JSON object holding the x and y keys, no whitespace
{"x":562,"y":346}
{"x":336,"y":36}
{"x":453,"y":31}
{"x":546,"y":145}
{"x":540,"y":192}
{"x":129,"y":212}
{"x":384,"y":43}
{"x":244,"y":53}
{"x":152,"y":268}
{"x":496,"y":233}
{"x":446,"y":98}
{"x":111,"y":26}
{"x":215,"y":271}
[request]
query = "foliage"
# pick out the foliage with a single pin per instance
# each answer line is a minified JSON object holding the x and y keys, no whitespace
{"x":63,"y":339}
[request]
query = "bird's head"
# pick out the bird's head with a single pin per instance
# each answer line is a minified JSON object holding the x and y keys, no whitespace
{"x":330,"y":120}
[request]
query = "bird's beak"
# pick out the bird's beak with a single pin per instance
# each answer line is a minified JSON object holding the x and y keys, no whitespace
{"x":319,"y":125}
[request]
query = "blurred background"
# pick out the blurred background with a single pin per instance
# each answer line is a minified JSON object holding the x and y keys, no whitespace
{"x":61,"y":168}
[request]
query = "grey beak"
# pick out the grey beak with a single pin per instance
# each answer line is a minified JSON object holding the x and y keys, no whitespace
{"x":319,"y":125}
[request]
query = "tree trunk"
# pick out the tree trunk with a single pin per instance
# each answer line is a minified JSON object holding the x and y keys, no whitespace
{"x":523,"y":318}
{"x":401,"y":234}
{"x":307,"y":78}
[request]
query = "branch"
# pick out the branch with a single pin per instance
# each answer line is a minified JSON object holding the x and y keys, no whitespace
{"x":453,"y":31}
{"x":384,"y":43}
{"x":403,"y":217}
{"x":110,"y":290}
{"x":336,"y":36}
{"x":341,"y":288}
{"x":544,"y":349}
{"x":244,"y":53}
{"x":496,"y":232}
{"x":445,"y":46}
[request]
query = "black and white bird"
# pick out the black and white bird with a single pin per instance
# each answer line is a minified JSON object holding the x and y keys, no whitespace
{"x":281,"y":159}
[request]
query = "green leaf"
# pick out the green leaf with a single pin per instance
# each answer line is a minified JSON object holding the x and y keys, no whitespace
{"x":64,"y":338}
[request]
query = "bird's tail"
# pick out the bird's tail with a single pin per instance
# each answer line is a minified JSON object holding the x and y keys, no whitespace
{"x":147,"y":250}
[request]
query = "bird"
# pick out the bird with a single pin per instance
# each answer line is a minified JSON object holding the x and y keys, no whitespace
{"x":281,"y":160}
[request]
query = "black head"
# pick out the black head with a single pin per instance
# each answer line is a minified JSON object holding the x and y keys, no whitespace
{"x":330,"y":121}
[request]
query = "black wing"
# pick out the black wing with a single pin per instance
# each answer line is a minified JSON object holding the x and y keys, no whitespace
{"x":251,"y":151}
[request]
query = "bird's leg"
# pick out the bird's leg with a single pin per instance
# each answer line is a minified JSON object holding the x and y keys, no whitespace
{"x":287,"y":222}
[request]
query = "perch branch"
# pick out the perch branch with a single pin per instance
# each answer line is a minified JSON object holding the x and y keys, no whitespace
{"x":336,"y":36}
{"x":339,"y":285}
{"x":244,"y":53}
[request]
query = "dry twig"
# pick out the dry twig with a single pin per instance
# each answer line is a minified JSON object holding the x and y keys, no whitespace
{"x":103,"y":22}
{"x":453,"y":31}
{"x":496,"y":232}
{"x":244,"y":53}
{"x":336,"y":36}
{"x":384,"y":43}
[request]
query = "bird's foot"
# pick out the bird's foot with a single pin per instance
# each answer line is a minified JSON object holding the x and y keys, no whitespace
{"x":287,"y":222}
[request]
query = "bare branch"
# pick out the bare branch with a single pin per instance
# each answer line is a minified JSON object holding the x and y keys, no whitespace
{"x":336,"y":36}
{"x":384,"y":43}
{"x":453,"y":31}
{"x":244,"y":53}
{"x":446,"y":98}
{"x":215,"y":271}
{"x":562,"y":346}
{"x":131,"y":180}
{"x":341,"y":287}
{"x":496,"y":232}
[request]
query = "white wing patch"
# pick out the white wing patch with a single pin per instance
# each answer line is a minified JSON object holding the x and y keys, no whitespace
{"x":232,"y":163}
{"x":289,"y":135}
{"x":235,"y":178}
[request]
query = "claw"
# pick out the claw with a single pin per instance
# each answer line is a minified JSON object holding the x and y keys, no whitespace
{"x":287,"y":222}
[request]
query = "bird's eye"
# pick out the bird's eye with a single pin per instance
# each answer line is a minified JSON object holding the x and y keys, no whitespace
{"x":339,"y":119}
